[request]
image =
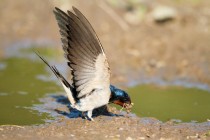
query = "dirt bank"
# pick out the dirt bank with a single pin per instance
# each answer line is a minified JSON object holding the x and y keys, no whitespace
{"x":107,"y":127}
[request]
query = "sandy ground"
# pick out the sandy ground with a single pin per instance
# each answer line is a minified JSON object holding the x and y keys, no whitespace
{"x":174,"y":50}
{"x":107,"y":127}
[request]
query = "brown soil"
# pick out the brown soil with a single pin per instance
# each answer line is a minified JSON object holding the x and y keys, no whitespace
{"x":173,"y":50}
{"x":105,"y":127}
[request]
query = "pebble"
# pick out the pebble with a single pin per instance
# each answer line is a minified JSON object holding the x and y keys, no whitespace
{"x":163,"y":13}
{"x":121,"y":129}
{"x":129,"y":138}
{"x":118,"y":136}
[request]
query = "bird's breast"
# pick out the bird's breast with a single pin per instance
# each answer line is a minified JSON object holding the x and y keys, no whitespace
{"x":97,"y":99}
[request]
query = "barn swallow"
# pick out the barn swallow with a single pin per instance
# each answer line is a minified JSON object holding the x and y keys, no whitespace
{"x":90,"y":86}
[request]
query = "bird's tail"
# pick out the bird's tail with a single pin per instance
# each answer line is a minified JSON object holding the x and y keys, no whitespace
{"x":67,"y":87}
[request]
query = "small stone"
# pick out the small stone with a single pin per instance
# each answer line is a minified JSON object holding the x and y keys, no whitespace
{"x":72,"y":135}
{"x":163,"y":13}
{"x":129,"y":138}
{"x":121,"y":129}
{"x":118,"y":136}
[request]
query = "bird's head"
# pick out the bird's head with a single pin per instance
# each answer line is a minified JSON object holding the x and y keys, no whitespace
{"x":120,"y":97}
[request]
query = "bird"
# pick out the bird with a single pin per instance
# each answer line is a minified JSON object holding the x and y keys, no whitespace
{"x":89,"y":88}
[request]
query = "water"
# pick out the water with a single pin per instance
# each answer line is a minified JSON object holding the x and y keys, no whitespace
{"x":171,"y":102}
{"x":21,"y":88}
{"x":24,"y":79}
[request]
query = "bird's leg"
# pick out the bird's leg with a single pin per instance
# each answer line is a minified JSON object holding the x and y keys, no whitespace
{"x":89,"y":114}
{"x":84,"y":115}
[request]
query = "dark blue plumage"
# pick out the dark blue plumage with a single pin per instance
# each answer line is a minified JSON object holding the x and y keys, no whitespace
{"x":119,"y":96}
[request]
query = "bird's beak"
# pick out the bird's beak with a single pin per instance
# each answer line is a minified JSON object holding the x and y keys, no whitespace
{"x":127,"y":105}
{"x":122,"y":103}
{"x":127,"y":101}
{"x":118,"y":102}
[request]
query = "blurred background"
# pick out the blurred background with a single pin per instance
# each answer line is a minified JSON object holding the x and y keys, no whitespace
{"x":152,"y":47}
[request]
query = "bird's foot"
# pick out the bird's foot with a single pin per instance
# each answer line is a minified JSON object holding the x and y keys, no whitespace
{"x":89,"y":114}
{"x":84,"y":116}
{"x":91,"y":119}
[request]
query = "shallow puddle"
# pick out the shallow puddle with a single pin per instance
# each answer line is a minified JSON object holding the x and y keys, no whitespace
{"x":171,"y":102}
{"x":21,"y":87}
{"x":24,"y":79}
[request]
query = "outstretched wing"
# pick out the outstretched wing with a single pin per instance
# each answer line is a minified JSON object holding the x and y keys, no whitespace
{"x":84,"y":52}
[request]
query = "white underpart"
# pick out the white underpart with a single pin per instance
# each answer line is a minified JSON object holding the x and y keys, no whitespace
{"x":97,"y":99}
{"x":69,"y":94}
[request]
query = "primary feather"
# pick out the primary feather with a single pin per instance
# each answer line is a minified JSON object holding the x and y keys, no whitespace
{"x":84,"y":52}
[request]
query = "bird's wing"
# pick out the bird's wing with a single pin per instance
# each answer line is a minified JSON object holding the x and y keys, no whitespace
{"x":90,"y":69}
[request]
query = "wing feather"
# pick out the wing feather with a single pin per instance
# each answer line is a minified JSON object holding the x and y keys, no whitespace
{"x":83,"y":50}
{"x":88,"y":25}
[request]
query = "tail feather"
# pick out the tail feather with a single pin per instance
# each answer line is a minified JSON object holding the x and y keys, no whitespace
{"x":67,"y":87}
